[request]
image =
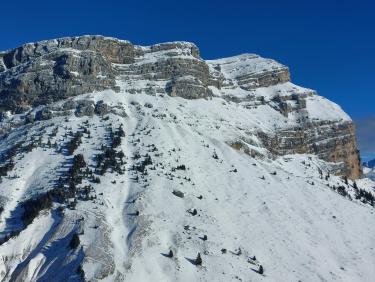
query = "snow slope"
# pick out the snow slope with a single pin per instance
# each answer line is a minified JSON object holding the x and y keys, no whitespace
{"x":280,"y":210}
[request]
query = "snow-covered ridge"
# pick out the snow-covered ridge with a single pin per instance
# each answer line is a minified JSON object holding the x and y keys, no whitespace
{"x":245,"y":64}
{"x":369,"y":173}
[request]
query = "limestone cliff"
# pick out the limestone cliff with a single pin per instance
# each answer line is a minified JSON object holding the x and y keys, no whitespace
{"x":38,"y":74}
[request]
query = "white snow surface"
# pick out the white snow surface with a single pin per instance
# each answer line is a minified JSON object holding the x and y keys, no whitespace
{"x":320,"y":108}
{"x":280,"y":210}
{"x":245,"y":64}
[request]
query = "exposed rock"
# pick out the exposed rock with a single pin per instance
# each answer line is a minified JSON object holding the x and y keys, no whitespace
{"x":114,"y":50}
{"x":101,"y":108}
{"x":178,"y":193}
{"x":179,"y":64}
{"x":335,"y":143}
{"x":69,"y":105}
{"x":149,"y":105}
{"x":43,"y":114}
{"x":188,"y":88}
{"x":53,"y":77}
{"x":250,"y":71}
{"x":85,"y":108}
{"x":190,"y":48}
{"x":288,"y":104}
{"x":118,"y":111}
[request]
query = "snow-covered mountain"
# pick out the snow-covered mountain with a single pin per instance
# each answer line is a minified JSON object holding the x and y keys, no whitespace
{"x":370,"y":163}
{"x":369,"y":169}
{"x":369,"y":172}
{"x":123,"y":163}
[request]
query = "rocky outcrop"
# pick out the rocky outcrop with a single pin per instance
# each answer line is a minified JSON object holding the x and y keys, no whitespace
{"x":178,"y":64}
{"x":331,"y":138}
{"x":250,"y":71}
{"x":48,"y":71}
{"x":173,"y":48}
{"x":187,"y":87}
{"x":331,"y":141}
{"x":52,"y":70}
{"x":113,"y":50}
{"x":53,"y":77}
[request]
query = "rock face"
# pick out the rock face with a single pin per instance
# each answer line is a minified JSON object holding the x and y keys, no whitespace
{"x":331,"y":141}
{"x":250,"y":71}
{"x":115,"y":51}
{"x":331,"y":138}
{"x":177,"y":63}
{"x":49,"y":71}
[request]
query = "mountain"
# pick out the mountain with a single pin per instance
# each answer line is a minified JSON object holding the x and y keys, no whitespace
{"x":130,"y":163}
{"x":370,"y":164}
{"x":369,"y":169}
{"x":369,"y":172}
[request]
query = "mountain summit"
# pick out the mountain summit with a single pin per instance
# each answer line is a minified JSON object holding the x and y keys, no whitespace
{"x":130,"y":163}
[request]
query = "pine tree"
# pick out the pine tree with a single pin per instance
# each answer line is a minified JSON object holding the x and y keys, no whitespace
{"x":74,"y":242}
{"x":260,"y":270}
{"x":198,"y":260}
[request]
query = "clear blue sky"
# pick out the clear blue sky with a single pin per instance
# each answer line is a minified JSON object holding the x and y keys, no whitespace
{"x":328,"y":45}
